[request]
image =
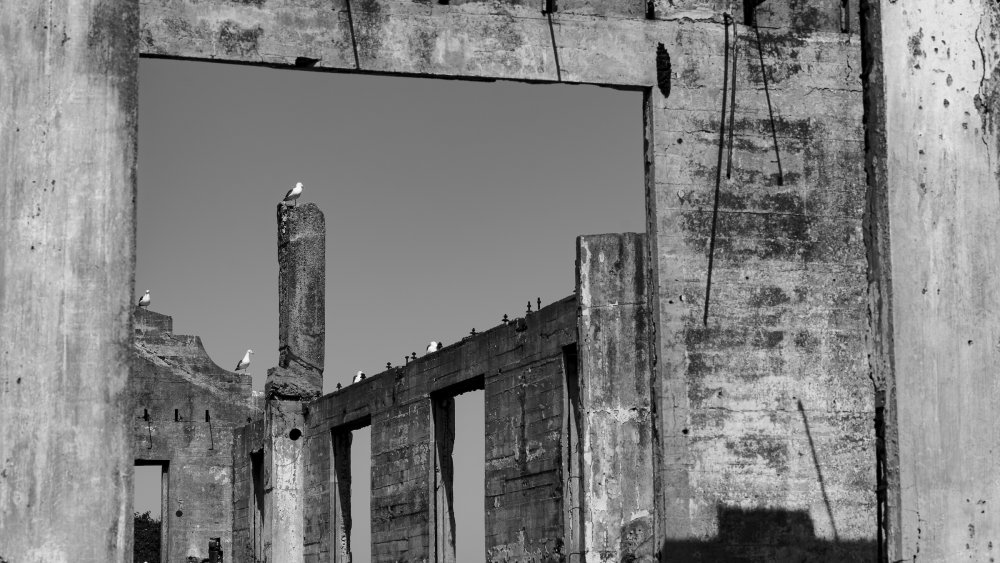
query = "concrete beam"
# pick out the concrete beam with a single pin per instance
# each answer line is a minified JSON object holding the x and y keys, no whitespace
{"x":934,"y":257}
{"x":67,"y":222}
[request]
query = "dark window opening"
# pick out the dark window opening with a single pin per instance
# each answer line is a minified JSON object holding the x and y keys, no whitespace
{"x":572,"y":456}
{"x":257,"y":501}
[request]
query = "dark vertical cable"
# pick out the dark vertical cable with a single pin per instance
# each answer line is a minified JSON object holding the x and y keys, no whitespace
{"x":354,"y":42}
{"x":732,"y":103}
{"x":718,"y":168}
{"x":770,"y":112}
{"x":550,"y":6}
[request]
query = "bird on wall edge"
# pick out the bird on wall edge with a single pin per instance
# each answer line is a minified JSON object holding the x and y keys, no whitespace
{"x":293,"y":195}
{"x":144,"y":300}
{"x":243,"y":364}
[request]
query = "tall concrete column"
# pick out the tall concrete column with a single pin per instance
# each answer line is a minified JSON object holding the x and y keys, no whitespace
{"x":615,"y":404}
{"x":68,"y":72}
{"x":298,"y":376}
{"x":931,"y":90}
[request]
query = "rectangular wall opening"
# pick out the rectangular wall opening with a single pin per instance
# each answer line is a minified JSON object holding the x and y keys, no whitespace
{"x":572,"y":456}
{"x":459,"y":479}
{"x":150,"y":497}
{"x":350,"y":489}
{"x":257,"y":504}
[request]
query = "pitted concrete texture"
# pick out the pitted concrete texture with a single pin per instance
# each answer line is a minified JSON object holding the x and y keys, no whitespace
{"x":932,"y":93}
{"x":67,"y":185}
{"x":615,"y":400}
{"x":185,"y":410}
{"x":301,"y":303}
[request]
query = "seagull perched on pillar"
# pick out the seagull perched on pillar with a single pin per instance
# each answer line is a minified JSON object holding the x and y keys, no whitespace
{"x":144,"y":300}
{"x":358,"y":376}
{"x":243,"y":364}
{"x":434,"y":346}
{"x":293,"y":194}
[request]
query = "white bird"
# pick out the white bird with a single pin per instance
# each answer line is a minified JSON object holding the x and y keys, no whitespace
{"x":359,"y":376}
{"x":434,"y":346}
{"x":293,"y":194}
{"x":144,"y":300}
{"x":243,"y":364}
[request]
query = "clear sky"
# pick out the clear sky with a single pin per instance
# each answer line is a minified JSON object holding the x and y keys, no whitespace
{"x":448,"y":204}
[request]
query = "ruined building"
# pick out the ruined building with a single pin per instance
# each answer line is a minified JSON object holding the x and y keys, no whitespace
{"x":794,"y":362}
{"x":569,"y":426}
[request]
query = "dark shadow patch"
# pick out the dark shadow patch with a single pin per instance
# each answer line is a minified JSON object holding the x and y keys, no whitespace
{"x":762,"y":535}
{"x":237,"y":40}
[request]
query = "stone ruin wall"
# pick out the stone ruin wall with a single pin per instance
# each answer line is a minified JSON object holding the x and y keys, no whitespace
{"x":185,"y":410}
{"x":760,"y":420}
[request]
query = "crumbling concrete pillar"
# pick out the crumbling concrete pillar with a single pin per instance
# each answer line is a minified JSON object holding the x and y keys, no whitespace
{"x":931,"y":102}
{"x":67,"y":221}
{"x":301,"y":303}
{"x":615,"y":380}
{"x":298,"y":376}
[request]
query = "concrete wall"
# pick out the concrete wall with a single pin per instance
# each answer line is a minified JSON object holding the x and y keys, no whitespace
{"x":520,"y":365}
{"x":763,"y":436}
{"x":931,"y":96}
{"x":174,"y":383}
{"x":67,"y":188}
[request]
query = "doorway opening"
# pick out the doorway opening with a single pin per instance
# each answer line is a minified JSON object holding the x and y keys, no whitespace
{"x":351,"y":489}
{"x":150,"y":496}
{"x":459,"y":472}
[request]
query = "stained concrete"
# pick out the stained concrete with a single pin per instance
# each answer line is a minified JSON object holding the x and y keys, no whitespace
{"x":67,"y":186}
{"x":185,"y":409}
{"x":932,"y":91}
{"x":763,"y":442}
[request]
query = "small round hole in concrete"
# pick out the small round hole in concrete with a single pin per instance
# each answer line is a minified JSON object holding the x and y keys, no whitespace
{"x":295,"y":434}
{"x":179,"y":513}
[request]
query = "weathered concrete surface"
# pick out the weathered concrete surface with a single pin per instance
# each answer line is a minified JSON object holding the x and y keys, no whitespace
{"x":615,"y":326}
{"x":786,"y":316}
{"x":520,"y":367}
{"x":249,"y":483}
{"x":934,"y":79}
{"x":67,"y":188}
{"x":767,"y":408}
{"x":297,"y":378}
{"x":184,"y":411}
{"x":301,"y":304}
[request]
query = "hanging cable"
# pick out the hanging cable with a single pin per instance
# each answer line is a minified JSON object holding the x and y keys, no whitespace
{"x":550,"y":6}
{"x":718,"y":168}
{"x":732,"y":104}
{"x":354,"y":42}
{"x":208,"y":419}
{"x":767,"y":94}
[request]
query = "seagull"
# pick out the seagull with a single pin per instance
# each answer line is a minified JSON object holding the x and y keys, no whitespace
{"x":359,"y":376}
{"x":243,"y":364}
{"x":144,"y":300}
{"x":338,"y":387}
{"x":293,"y":194}
{"x":434,"y":346}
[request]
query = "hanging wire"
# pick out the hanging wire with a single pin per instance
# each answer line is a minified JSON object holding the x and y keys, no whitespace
{"x":354,"y":42}
{"x":732,"y":103}
{"x":767,"y":94}
{"x":718,"y":168}
{"x":550,"y":6}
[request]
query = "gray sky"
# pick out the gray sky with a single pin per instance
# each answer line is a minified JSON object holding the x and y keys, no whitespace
{"x":447,"y":203}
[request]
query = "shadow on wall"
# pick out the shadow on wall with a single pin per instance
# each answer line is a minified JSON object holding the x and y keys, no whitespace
{"x":767,"y":535}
